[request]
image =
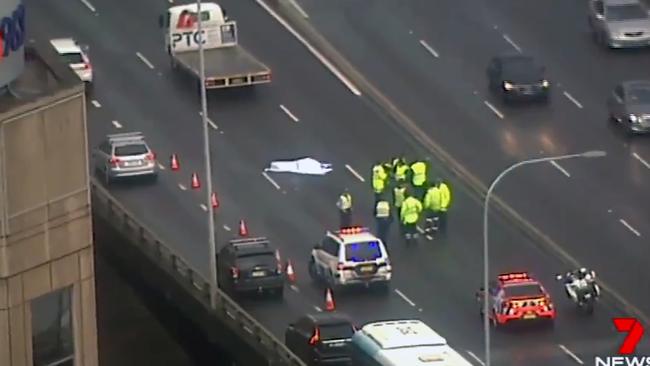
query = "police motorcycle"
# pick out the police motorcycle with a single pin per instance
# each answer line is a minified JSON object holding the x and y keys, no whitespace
{"x":581,"y":287}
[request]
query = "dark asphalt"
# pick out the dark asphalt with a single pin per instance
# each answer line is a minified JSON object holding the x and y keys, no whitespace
{"x":440,"y":278}
{"x":446,"y":96}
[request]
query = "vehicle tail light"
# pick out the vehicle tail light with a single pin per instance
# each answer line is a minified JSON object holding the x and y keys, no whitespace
{"x":114,"y":161}
{"x":151,"y":156}
{"x":235,"y":272}
{"x":86,"y":66}
{"x":315,"y":338}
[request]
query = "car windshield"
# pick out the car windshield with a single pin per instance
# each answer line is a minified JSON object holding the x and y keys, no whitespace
{"x":336,"y":331}
{"x":521,"y":69}
{"x":625,"y":12}
{"x":639,"y":95}
{"x":524,"y":290}
{"x":363,"y":252}
{"x":131,"y":150}
{"x":72,"y":58}
{"x":264,"y":259}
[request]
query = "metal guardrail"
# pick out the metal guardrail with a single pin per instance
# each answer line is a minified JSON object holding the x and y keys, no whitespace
{"x":228,"y":311}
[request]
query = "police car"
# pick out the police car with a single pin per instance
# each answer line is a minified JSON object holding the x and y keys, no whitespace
{"x":351,"y":256}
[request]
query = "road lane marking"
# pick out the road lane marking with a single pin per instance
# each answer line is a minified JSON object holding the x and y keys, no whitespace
{"x":288,"y":113}
{"x":89,"y":5}
{"x":161,"y":167}
{"x":204,"y":207}
{"x":276,"y":185}
{"x":182,"y":187}
{"x":299,"y":8}
{"x":354,"y":172}
{"x":226,"y":227}
{"x":348,"y":84}
{"x":640,"y":159}
{"x":430,"y":49}
{"x":144,"y":60}
{"x":210,"y":122}
{"x":493,"y":108}
{"x":404,"y":297}
{"x":318,"y":309}
{"x":117,"y":124}
{"x":559,"y":167}
{"x":420,"y":230}
{"x":572,"y":99}
{"x":95,"y":103}
{"x":630,"y":227}
{"x":571,"y":354}
{"x":512,"y":43}
{"x":475,"y":357}
{"x":294,"y":288}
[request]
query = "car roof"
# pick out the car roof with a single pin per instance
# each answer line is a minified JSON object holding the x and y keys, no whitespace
{"x":629,"y":84}
{"x":620,"y":2}
{"x":390,"y":334}
{"x":65,"y":46}
{"x":127,"y":138}
{"x":328,"y":318}
{"x":359,"y":236}
{"x":509,"y":57}
{"x":250,"y":245}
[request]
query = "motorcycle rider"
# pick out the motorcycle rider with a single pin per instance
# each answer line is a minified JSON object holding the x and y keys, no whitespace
{"x":579,"y":282}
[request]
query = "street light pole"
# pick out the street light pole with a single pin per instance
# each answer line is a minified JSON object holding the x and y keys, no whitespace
{"x":486,"y":263}
{"x":212,"y":240}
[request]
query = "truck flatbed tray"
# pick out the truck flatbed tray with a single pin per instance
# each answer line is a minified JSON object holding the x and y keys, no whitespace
{"x":223,"y":62}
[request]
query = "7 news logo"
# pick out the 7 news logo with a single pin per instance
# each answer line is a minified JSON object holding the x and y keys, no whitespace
{"x":634,"y":331}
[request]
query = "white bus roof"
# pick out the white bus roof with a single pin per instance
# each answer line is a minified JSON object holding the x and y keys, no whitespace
{"x":402,"y":333}
{"x":194,"y":8}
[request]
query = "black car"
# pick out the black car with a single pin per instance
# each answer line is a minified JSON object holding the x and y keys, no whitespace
{"x":321,"y":339}
{"x":250,"y":265}
{"x":518,"y":77}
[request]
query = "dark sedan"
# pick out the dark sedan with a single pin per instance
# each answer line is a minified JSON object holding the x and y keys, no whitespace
{"x":629,"y":105}
{"x":517,"y":77}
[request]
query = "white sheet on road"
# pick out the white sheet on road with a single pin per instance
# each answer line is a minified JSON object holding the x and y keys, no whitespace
{"x":306,"y":166}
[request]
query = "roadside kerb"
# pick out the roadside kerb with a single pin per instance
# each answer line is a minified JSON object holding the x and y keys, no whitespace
{"x":477,"y":188}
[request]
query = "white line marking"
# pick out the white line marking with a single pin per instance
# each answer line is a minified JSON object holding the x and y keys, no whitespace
{"x":95,"y":103}
{"x":182,"y":187}
{"x":400,"y":294}
{"x":571,"y":354}
{"x":300,"y":10}
{"x":572,"y":99}
{"x":629,"y":227}
{"x":276,"y":185}
{"x":420,"y":230}
{"x":210,"y":122}
{"x":354,"y":172}
{"x":475,"y":357}
{"x":493,"y":108}
{"x":311,"y":49}
{"x":294,"y":288}
{"x":116,"y":124}
{"x":640,"y":159}
{"x":144,"y":59}
{"x":288,"y":113}
{"x":318,"y":309}
{"x":559,"y":167}
{"x":161,"y":167}
{"x":89,"y":5}
{"x":204,"y":207}
{"x":512,"y":43}
{"x":426,"y":46}
{"x":226,"y":227}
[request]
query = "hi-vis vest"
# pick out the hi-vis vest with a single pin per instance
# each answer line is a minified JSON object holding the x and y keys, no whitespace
{"x":400,"y":172}
{"x":410,"y":211}
{"x":445,"y":196}
{"x":345,"y":202}
{"x":419,"y":173}
{"x":399,"y":193}
{"x":382,"y":210}
{"x":432,"y":200}
{"x":379,"y":178}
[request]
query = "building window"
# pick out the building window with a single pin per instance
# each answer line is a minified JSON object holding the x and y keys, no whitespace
{"x":52,"y":337}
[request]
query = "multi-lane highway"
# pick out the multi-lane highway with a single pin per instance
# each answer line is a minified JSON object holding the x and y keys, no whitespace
{"x":306,"y":111}
{"x":430,"y":58}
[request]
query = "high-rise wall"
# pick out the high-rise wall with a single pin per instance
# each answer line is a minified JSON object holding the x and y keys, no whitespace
{"x":47,"y":283}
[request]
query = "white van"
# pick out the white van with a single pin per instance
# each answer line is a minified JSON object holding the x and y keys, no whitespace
{"x":402,"y":343}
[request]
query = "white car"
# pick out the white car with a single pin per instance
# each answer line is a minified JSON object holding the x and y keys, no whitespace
{"x":351,"y":256}
{"x":73,"y":55}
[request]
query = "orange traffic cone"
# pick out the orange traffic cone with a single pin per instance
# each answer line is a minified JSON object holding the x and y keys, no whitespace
{"x":329,"y":301}
{"x":291,"y":275}
{"x":174,"y":164}
{"x":243,"y":230}
{"x":195,"y":181}
{"x":214,"y":200}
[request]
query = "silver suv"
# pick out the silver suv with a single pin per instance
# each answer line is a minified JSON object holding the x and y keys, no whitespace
{"x":619,"y":23}
{"x":125,"y":155}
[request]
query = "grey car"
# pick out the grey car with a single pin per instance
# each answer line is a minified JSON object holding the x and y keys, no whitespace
{"x":629,"y":105}
{"x":125,"y":155}
{"x":620,"y":23}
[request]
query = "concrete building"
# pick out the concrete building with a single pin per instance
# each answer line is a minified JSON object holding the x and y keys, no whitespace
{"x":47,"y":282}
